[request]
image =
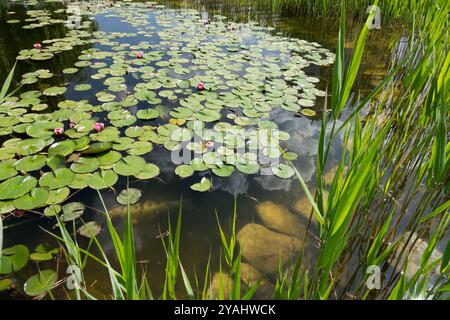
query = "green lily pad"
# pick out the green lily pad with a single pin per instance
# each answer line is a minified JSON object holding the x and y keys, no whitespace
{"x":63,"y":148}
{"x":283,"y":171}
{"x":129,"y":165}
{"x":16,"y":187}
{"x":184,"y":171}
{"x":103,"y":179}
{"x":31,"y":146}
{"x":31,"y":163}
{"x":130,"y":195}
{"x":7,"y":169}
{"x":149,"y":171}
{"x":223,"y":170}
{"x":72,"y":211}
{"x":41,"y":256}
{"x":40,"y":283}
{"x":54,"y":91}
{"x":57,"y":179}
{"x":35,"y":199}
{"x":85,"y":165}
{"x":202,"y":186}
{"x":57,"y":196}
{"x":52,"y":210}
{"x":90,"y":229}
{"x":16,"y":258}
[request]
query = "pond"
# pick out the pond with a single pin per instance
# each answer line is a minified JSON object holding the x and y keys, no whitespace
{"x":184,"y":102}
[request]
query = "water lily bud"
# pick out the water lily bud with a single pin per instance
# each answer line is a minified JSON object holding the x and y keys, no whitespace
{"x":209,"y":144}
{"x":58,"y":131}
{"x":207,"y":21}
{"x":99,"y":126}
{"x":200,"y":86}
{"x":37,"y":46}
{"x":139,"y":55}
{"x":72,"y":125}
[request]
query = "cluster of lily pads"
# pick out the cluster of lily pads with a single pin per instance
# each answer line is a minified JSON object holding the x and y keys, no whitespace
{"x":160,"y":85}
{"x":15,"y":258}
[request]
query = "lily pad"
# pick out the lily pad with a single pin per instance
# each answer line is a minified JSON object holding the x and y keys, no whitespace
{"x":202,"y":186}
{"x":184,"y":171}
{"x":72,"y":211}
{"x":130,"y":195}
{"x":35,"y":199}
{"x":16,"y":187}
{"x":40,"y":283}
{"x":90,"y":229}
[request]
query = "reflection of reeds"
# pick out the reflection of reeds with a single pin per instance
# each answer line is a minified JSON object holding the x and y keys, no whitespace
{"x":398,"y":164}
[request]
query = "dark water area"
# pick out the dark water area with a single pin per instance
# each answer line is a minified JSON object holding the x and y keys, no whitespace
{"x":163,"y":196}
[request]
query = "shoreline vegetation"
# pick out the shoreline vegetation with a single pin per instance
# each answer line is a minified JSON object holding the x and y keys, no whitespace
{"x":388,"y":199}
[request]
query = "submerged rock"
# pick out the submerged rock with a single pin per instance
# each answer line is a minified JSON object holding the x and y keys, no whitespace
{"x":250,"y":277}
{"x":277,"y":217}
{"x":414,"y":251}
{"x":221,"y":279}
{"x":262,"y":247}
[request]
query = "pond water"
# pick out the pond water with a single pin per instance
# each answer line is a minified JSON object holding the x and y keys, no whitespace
{"x":136,"y":70}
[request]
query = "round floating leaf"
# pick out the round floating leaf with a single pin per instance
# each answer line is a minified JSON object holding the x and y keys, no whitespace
{"x":72,"y":211}
{"x":7,"y":169}
{"x":90,"y":229}
{"x":85,"y":165}
{"x":41,"y":256}
{"x":63,"y":148}
{"x":16,"y":187}
{"x":98,"y":147}
{"x":139,"y":148}
{"x":130,"y":195}
{"x":70,"y":70}
{"x":52,"y":210}
{"x":6,"y":207}
{"x":54,"y":91}
{"x":58,"y":195}
{"x":56,"y":162}
{"x":17,"y":257}
{"x":31,"y":163}
{"x":129,"y":166}
{"x":147,"y":114}
{"x":57,"y":179}
{"x":109,"y":158}
{"x":308,"y":112}
{"x":283,"y":171}
{"x":103,"y":179}
{"x":202,"y":186}
{"x":149,"y":171}
{"x":40,"y":283}
{"x":82,"y":87}
{"x":184,"y":171}
{"x":31,"y":146}
{"x":223,"y":170}
{"x":35,"y":199}
{"x":248,"y":167}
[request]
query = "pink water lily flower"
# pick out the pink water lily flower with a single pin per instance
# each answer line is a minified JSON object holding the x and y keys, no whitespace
{"x":72,"y":125}
{"x":139,"y":55}
{"x":150,"y":6}
{"x":207,"y":21}
{"x":209,"y":144}
{"x":200,"y":86}
{"x":37,"y":46}
{"x":99,"y":126}
{"x":58,"y":131}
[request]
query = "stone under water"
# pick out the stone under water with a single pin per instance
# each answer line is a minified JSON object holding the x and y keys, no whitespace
{"x":262,"y":248}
